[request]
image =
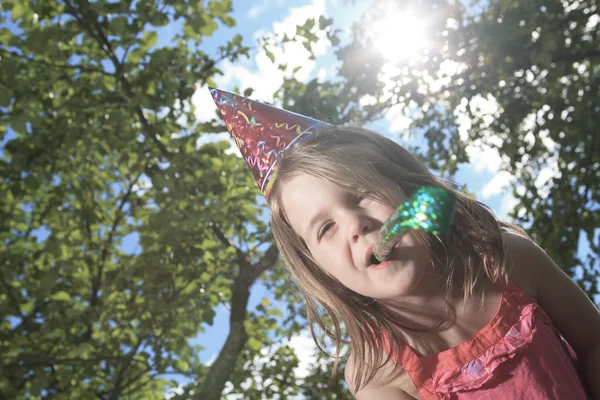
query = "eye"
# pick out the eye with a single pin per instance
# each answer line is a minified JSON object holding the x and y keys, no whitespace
{"x":361,"y":196}
{"x":324,"y":229}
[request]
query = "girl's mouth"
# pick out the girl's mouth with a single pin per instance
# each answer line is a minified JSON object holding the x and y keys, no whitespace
{"x":373,"y":260}
{"x":374,"y":263}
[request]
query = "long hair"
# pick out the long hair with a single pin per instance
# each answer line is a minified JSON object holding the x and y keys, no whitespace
{"x":357,"y":159}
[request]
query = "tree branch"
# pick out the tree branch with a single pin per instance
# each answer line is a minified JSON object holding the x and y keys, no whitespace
{"x":249,"y":272}
{"x":125,"y":366}
{"x":98,"y":279}
{"x":224,"y":365}
{"x":240,"y":254}
{"x":134,"y":389}
{"x":102,"y":40}
{"x":31,"y":360}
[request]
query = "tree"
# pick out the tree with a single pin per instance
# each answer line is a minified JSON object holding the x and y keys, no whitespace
{"x":103,"y":148}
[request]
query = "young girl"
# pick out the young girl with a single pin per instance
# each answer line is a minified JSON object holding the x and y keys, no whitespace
{"x":468,"y":315}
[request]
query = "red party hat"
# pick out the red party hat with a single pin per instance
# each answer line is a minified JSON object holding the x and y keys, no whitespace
{"x":262,"y":132}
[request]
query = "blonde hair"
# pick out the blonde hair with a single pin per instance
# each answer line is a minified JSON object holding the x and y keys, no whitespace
{"x":356,"y":159}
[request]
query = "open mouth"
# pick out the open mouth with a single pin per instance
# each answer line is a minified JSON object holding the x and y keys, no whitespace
{"x":374,"y":262}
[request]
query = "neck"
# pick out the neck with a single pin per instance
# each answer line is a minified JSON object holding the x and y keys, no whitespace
{"x":430,"y":306}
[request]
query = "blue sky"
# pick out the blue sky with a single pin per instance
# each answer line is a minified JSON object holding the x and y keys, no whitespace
{"x":255,"y":18}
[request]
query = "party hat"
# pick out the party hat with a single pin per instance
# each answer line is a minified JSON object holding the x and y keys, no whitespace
{"x":262,"y":132}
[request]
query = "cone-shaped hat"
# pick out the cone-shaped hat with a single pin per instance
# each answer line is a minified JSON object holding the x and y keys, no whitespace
{"x":262,"y":132}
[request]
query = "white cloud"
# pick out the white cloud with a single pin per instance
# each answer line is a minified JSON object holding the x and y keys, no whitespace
{"x":497,"y":185}
{"x":448,"y":68}
{"x":306,"y":349}
{"x":175,"y":391}
{"x":264,"y":76}
{"x":257,"y":9}
{"x":399,"y":121}
{"x":507,"y":204}
{"x":545,"y":177}
{"x":205,"y":109}
{"x":321,"y":75}
{"x":217,"y":137}
{"x":489,"y":159}
{"x":482,"y":157}
{"x":298,"y":16}
{"x":211,"y":360}
{"x":486,"y":158}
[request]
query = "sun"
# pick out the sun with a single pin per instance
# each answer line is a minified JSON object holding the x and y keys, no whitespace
{"x":400,"y":34}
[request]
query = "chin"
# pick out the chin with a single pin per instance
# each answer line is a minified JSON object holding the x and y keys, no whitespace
{"x":396,"y":279}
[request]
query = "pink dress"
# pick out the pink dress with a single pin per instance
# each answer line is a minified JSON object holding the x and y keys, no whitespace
{"x":517,"y":355}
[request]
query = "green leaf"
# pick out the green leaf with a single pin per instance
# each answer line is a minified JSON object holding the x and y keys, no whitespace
{"x":27,"y":307}
{"x":61,"y":296}
{"x":65,"y":252}
{"x":18,"y":11}
{"x":254,"y":344}
{"x":237,"y":40}
{"x":275,"y":312}
{"x":270,"y":55}
{"x":159,"y":19}
{"x":84,"y":349}
{"x":228,"y":21}
{"x":219,"y":8}
{"x":182,"y":366}
{"x":148,"y":40}
{"x":209,"y":26}
{"x":37,"y":41}
{"x":189,"y":31}
{"x":118,"y":24}
{"x":334,"y":39}
{"x":136,"y":55}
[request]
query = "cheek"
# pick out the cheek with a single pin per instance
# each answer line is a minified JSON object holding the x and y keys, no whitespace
{"x":330,"y":263}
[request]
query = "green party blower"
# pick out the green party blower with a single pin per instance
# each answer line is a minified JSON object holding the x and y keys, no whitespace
{"x":429,"y":208}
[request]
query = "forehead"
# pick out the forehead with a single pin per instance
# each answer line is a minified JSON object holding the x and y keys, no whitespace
{"x":304,"y":195}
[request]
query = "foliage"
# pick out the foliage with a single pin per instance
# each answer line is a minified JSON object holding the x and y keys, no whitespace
{"x":100,"y":154}
{"x":100,"y":150}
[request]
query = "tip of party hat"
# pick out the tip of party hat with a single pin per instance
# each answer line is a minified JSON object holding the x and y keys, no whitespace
{"x":262,"y":132}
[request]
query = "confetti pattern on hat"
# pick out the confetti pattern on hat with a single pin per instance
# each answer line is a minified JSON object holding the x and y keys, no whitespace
{"x":262,"y":132}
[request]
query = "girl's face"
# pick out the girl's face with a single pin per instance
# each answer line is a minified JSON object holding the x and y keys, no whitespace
{"x":340,"y":230}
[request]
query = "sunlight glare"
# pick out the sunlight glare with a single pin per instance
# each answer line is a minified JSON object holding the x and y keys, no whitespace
{"x":399,"y":35}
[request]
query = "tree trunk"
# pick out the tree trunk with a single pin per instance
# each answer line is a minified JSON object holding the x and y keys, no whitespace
{"x":222,"y":368}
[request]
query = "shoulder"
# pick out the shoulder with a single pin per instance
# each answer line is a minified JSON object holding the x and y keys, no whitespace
{"x":519,"y":248}
{"x":388,"y":383}
{"x":571,"y":311}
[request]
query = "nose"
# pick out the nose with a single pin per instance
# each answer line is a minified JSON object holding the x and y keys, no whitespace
{"x":361,"y":226}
